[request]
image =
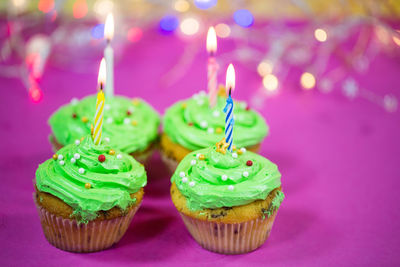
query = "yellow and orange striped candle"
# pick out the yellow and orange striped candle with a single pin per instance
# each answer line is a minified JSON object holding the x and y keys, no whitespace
{"x":98,"y":116}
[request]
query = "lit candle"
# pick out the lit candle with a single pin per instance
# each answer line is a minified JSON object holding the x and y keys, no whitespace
{"x":98,"y":117}
{"x":109,"y":54}
{"x":229,"y":121}
{"x":212,"y":67}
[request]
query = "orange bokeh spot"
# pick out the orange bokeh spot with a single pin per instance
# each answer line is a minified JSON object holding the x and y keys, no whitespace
{"x":79,"y":9}
{"x":46,"y":5}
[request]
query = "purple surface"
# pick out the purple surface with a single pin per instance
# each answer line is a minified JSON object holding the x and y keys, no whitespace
{"x":339,"y":161}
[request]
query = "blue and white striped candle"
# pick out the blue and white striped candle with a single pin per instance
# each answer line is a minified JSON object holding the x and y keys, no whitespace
{"x":229,"y":121}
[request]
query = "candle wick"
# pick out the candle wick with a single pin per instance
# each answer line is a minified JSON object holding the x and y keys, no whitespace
{"x":101,"y":86}
{"x":230,"y":91}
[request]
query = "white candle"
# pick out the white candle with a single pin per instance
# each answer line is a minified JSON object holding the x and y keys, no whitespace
{"x":109,"y":54}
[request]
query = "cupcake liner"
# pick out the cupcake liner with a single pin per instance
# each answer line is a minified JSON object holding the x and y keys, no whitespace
{"x":67,"y":234}
{"x":171,"y":163}
{"x":230,"y":238}
{"x":55,"y":145}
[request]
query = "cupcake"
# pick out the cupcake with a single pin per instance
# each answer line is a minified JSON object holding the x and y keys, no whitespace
{"x":87,"y":195}
{"x":191,"y":124}
{"x":227,"y":200}
{"x":131,"y":126}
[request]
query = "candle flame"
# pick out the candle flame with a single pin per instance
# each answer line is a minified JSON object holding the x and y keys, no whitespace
{"x":109,"y":27}
{"x":101,"y":80}
{"x":230,"y":79}
{"x":211,"y":41}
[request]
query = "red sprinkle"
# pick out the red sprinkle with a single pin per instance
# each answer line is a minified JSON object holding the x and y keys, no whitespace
{"x":102,"y":158}
{"x":128,"y":112}
{"x":247,"y":107}
{"x":249,"y":163}
{"x":74,"y":115}
{"x":190,"y":123}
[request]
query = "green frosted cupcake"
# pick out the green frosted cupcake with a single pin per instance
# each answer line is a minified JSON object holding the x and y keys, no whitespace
{"x":191,"y":124}
{"x":129,"y":125}
{"x":87,"y":195}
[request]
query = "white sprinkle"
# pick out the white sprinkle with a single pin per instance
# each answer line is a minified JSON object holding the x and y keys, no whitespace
{"x":119,"y":156}
{"x":193,"y":162}
{"x":127,"y":120}
{"x":60,"y":157}
{"x":73,"y":160}
{"x":246,"y":174}
{"x":234,"y":155}
{"x":109,"y":120}
{"x":107,"y":139}
{"x":224,"y":177}
{"x":243,"y":104}
{"x":74,"y":101}
{"x":182,"y":174}
{"x":62,"y":162}
{"x":210,"y":130}
{"x":184,"y":179}
{"x":192,"y":183}
{"x":203,"y":124}
{"x":202,"y":93}
{"x":77,"y":142}
{"x":107,"y":107}
{"x":77,"y":156}
{"x":216,"y":113}
{"x":231,"y":187}
{"x":200,"y":102}
{"x":243,"y":150}
{"x":198,"y":155}
{"x":81,"y":170}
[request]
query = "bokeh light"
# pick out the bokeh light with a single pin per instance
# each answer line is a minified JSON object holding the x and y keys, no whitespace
{"x":80,"y":9}
{"x":134,"y":34}
{"x":223,"y":30}
{"x":270,"y":82}
{"x":264,"y":68}
{"x":190,"y":26}
{"x":181,"y":5}
{"x":205,"y":4}
{"x":46,"y":5}
{"x":98,"y":31}
{"x":243,"y":17}
{"x":320,"y":35}
{"x":307,"y":80}
{"x":169,"y":23}
{"x":396,"y":38}
{"x":102,"y":7}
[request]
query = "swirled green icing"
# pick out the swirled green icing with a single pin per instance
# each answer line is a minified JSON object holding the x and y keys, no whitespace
{"x":112,"y":181}
{"x":203,"y":184}
{"x":119,"y":113}
{"x":193,"y":124}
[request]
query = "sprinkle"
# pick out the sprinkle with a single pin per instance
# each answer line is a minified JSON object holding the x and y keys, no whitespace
{"x":136,"y":101}
{"x":77,"y":142}
{"x":82,"y":138}
{"x":210,"y":130}
{"x":74,"y":101}
{"x":74,"y":115}
{"x":77,"y":156}
{"x":190,"y":123}
{"x":85,"y":119}
{"x":246,"y":174}
{"x":81,"y":170}
{"x":202,"y":157}
{"x":88,"y":185}
{"x":231,"y":187}
{"x":197,"y":155}
{"x":184,"y":105}
{"x":182,"y":174}
{"x":55,"y":156}
{"x":127,"y":120}
{"x":73,"y":160}
{"x":128,"y":112}
{"x":218,"y":130}
{"x":107,"y":139}
{"x":200,"y":102}
{"x":203,"y":124}
{"x":192,"y":183}
{"x":193,"y":162}
{"x":247,"y":108}
{"x":216,"y":113}
{"x":101,"y":158}
{"x":249,"y":163}
{"x":134,"y":122}
{"x":202,"y":93}
{"x":109,"y":120}
{"x":107,"y":107}
{"x":62,"y":162}
{"x":111,"y":152}
{"x":234,"y":155}
{"x":224,"y":177}
{"x":243,"y":149}
{"x":60,"y":157}
{"x":184,"y":179}
{"x":119,"y":156}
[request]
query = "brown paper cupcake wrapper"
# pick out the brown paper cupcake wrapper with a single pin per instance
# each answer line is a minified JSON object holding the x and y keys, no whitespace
{"x":226,"y":238}
{"x":171,"y":163}
{"x":67,"y":234}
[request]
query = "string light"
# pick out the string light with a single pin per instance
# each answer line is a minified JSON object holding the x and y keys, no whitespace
{"x":270,"y":82}
{"x":243,"y":18}
{"x":181,"y":6}
{"x":205,"y":4}
{"x":307,"y":80}
{"x":190,"y":26}
{"x":223,"y":30}
{"x":320,"y":35}
{"x":264,"y":68}
{"x":169,"y":23}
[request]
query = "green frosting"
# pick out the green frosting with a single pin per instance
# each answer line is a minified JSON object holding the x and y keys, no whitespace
{"x":112,"y":181}
{"x":193,"y":124}
{"x":225,"y":180}
{"x":119,"y":113}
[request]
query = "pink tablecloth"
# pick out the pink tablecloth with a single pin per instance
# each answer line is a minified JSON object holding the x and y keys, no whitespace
{"x":339,"y":161}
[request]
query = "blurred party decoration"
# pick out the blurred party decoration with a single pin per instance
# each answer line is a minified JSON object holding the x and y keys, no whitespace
{"x":169,"y":23}
{"x":243,"y":17}
{"x":205,"y":4}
